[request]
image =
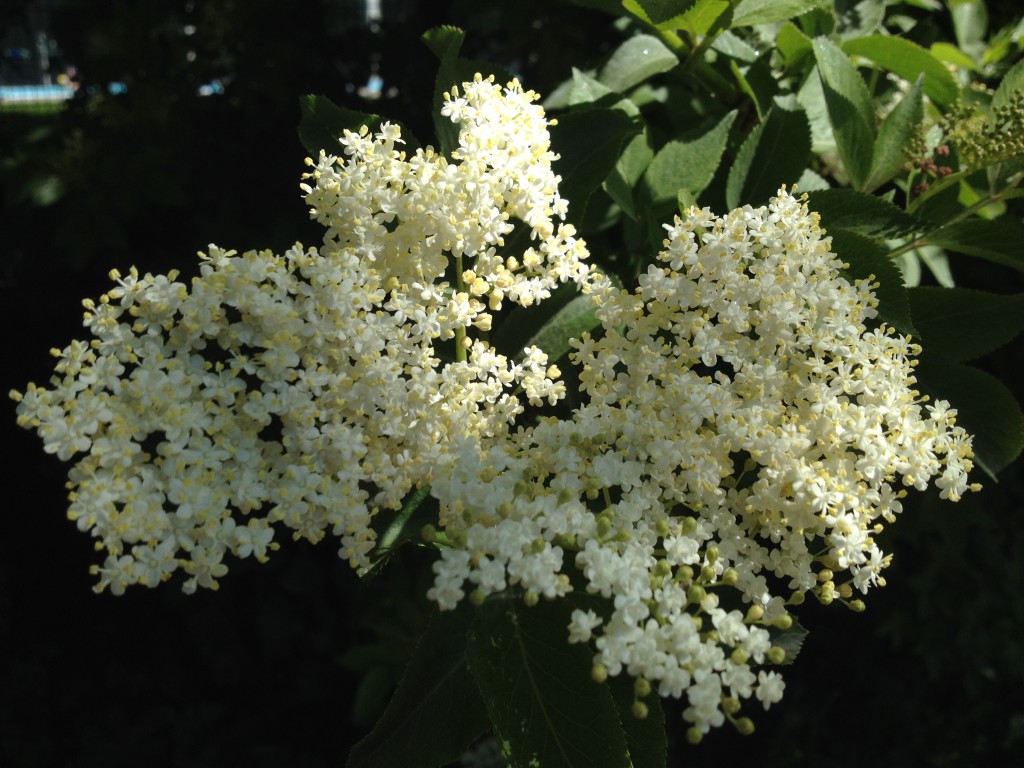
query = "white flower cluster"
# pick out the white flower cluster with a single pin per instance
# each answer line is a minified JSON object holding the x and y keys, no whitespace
{"x":741,"y":436}
{"x":742,"y":428}
{"x":307,"y":390}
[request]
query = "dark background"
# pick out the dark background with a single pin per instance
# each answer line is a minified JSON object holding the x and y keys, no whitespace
{"x":272,"y":670}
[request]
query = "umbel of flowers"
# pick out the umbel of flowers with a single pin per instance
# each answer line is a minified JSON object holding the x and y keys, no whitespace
{"x":742,"y":435}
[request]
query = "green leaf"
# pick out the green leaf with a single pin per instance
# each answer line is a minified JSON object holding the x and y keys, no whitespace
{"x":760,"y":82}
{"x":868,"y":257}
{"x":970,"y":23}
{"x":545,"y":708}
{"x":864,"y":214}
{"x":446,"y":42}
{"x":790,"y":640}
{"x":950,"y":54}
{"x":985,"y":408}
{"x":570,"y":322}
{"x":999,"y":241}
{"x":660,"y":11}
{"x":962,"y":324}
{"x":894,"y":135}
{"x":849,"y":109}
{"x":401,"y":526}
{"x":637,"y":59}
{"x":564,"y":315}
{"x":857,"y":18}
{"x":629,"y":169}
{"x":750,"y":12}
{"x":323,"y":122}
{"x":688,"y":165}
{"x":704,"y":16}
{"x":1012,"y":82}
{"x":793,"y":44}
{"x":646,"y":739}
{"x":908,"y":60}
{"x":436,"y":711}
{"x":589,"y":143}
{"x":775,"y":153}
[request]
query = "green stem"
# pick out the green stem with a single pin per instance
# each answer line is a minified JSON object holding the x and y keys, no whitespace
{"x":990,"y":198}
{"x":695,"y":64}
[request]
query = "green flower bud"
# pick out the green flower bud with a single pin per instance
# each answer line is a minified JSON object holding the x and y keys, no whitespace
{"x":639,"y":710}
{"x":642,"y":687}
{"x":599,"y":673}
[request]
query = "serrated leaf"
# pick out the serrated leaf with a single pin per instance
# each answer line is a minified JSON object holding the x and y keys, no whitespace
{"x":864,"y":214}
{"x":775,"y":153}
{"x":543,"y":705}
{"x":588,"y":144}
{"x":436,"y":711}
{"x":857,"y":18}
{"x":950,"y":54}
{"x":637,"y":59}
{"x":704,"y":16}
{"x":750,"y":12}
{"x":688,"y":165}
{"x":962,"y":324}
{"x":849,"y":109}
{"x":985,"y":408}
{"x":323,"y":122}
{"x":790,"y":640}
{"x":660,"y":11}
{"x":646,"y":739}
{"x":1000,"y":241}
{"x":793,"y":44}
{"x":446,"y":42}
{"x":629,"y":169}
{"x":1012,"y":82}
{"x":908,"y":60}
{"x":894,"y":135}
{"x":868,"y":257}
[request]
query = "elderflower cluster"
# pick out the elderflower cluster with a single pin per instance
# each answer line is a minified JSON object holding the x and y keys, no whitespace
{"x":741,"y":432}
{"x":743,"y":436}
{"x":308,"y":391}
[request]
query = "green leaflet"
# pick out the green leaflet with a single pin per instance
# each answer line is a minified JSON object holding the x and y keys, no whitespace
{"x":775,"y":153}
{"x":964,"y":324}
{"x":863,"y":214}
{"x":589,"y":143}
{"x":549,"y":325}
{"x":908,"y":60}
{"x":545,"y":708}
{"x":894,"y":135}
{"x":646,"y":739}
{"x":323,"y":122}
{"x":790,"y":640}
{"x":436,"y":712}
{"x":446,"y":42}
{"x":998,"y":241}
{"x":688,"y":165}
{"x":660,"y":11}
{"x":849,"y":108}
{"x":628,"y":170}
{"x":866,"y":257}
{"x":750,"y":12}
{"x":637,"y":59}
{"x":985,"y":408}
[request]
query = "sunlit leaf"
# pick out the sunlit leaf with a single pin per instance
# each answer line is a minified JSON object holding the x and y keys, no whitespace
{"x":908,"y":60}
